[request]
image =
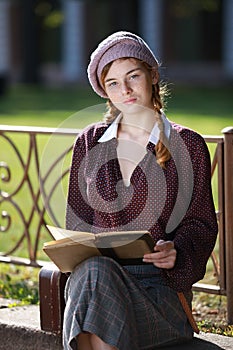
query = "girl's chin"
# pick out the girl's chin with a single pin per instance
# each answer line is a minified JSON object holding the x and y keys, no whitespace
{"x":131,"y":108}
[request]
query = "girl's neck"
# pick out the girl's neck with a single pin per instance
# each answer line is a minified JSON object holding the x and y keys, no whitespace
{"x":137,"y":125}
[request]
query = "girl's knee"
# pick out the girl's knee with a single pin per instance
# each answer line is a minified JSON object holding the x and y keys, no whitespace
{"x":96,"y":262}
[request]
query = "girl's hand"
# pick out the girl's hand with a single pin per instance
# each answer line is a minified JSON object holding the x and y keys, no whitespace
{"x":164,"y":256}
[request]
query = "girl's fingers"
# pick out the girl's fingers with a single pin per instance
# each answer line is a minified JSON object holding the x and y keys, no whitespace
{"x":164,"y":245}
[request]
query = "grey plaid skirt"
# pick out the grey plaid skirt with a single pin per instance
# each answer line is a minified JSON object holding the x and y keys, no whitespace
{"x":127,"y":307}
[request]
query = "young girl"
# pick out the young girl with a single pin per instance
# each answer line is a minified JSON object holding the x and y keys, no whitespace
{"x":136,"y":171}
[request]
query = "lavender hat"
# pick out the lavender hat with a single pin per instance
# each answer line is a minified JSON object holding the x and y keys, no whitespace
{"x":118,"y":45}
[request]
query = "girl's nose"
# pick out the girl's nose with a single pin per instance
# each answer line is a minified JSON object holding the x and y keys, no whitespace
{"x":125,"y":89}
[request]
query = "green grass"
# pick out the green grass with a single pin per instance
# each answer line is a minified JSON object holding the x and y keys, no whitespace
{"x":36,"y":106}
{"x":207,"y":110}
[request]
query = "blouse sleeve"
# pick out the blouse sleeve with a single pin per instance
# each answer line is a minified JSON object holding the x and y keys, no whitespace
{"x":195,"y":236}
{"x":79,"y":215}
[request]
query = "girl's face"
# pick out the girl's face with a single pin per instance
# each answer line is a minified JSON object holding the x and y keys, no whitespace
{"x":128,"y":85}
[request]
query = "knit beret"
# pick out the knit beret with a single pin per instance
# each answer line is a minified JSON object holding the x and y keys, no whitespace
{"x":118,"y":45}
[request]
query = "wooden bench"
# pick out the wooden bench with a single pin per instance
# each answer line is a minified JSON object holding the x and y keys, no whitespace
{"x":52,"y":281}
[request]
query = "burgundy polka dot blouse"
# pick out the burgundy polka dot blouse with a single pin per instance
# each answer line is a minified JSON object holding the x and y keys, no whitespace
{"x":173,"y":204}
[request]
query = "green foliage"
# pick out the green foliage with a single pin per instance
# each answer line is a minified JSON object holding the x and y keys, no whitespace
{"x":211,"y":327}
{"x":19,"y":283}
{"x":180,"y":8}
{"x":210,"y":313}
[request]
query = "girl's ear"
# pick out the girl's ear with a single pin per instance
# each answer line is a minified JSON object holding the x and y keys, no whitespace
{"x":154,"y":75}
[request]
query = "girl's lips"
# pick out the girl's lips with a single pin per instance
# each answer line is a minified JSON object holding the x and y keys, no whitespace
{"x":130,"y":100}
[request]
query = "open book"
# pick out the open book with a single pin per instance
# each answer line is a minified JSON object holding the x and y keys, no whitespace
{"x":70,"y":248}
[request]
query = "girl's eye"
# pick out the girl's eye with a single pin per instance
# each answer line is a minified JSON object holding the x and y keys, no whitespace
{"x":134,"y":76}
{"x":111,"y":84}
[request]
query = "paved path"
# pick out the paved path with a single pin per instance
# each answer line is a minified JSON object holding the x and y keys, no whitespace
{"x":20,"y":329}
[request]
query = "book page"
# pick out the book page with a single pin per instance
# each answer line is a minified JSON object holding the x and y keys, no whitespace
{"x":61,"y":233}
{"x":133,"y":250}
{"x":70,"y":251}
{"x":116,"y":239}
{"x":66,"y":257}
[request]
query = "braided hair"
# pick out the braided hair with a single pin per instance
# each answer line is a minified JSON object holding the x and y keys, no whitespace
{"x":161,"y":149}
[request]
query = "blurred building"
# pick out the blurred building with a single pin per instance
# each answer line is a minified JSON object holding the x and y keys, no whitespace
{"x":5,"y":46}
{"x":50,"y":40}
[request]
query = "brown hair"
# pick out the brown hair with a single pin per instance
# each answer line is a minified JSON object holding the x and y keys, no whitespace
{"x":159,"y":92}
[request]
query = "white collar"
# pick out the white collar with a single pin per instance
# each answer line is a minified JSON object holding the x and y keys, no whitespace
{"x":111,"y":131}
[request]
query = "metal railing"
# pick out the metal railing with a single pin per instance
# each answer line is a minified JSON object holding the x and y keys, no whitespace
{"x":34,"y":168}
